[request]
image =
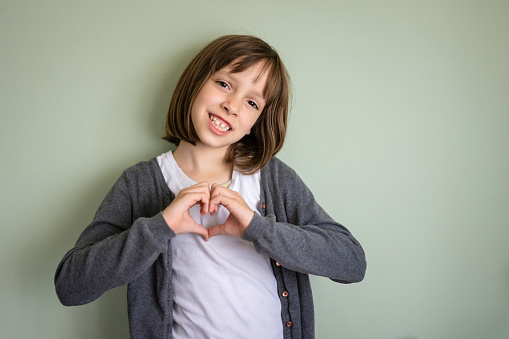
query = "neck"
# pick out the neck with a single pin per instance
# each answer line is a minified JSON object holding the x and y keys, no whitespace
{"x":203,"y":163}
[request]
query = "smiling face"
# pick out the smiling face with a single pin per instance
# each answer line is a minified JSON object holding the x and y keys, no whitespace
{"x":228,"y":105}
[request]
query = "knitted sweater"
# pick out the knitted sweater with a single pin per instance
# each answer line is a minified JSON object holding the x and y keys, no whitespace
{"x":129,"y":242}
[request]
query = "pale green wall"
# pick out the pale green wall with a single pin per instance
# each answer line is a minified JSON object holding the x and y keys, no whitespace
{"x":400,"y":126}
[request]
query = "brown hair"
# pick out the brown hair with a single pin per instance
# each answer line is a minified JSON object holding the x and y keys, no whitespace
{"x":253,"y":151}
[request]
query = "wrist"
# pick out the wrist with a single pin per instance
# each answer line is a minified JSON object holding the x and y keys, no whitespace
{"x":246,"y":224}
{"x":169,"y":222}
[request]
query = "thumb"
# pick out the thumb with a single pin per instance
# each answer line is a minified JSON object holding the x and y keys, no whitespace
{"x":201,"y":231}
{"x":217,"y":230}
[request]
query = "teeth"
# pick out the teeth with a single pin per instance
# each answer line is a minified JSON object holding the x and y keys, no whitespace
{"x":219,"y":125}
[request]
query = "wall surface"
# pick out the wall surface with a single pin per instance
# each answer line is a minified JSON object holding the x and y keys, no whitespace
{"x":400,"y":126}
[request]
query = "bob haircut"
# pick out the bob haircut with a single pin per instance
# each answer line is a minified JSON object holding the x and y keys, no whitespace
{"x":251,"y":153}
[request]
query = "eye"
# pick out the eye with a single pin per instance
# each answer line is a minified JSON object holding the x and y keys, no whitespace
{"x":223,"y":84}
{"x":252,"y":104}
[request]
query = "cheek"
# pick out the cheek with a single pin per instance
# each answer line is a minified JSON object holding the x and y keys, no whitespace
{"x":197,"y":119}
{"x":255,"y":119}
{"x":198,"y":107}
{"x":206,"y":94}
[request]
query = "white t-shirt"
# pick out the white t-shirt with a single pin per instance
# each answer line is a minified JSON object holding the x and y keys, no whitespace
{"x":223,"y":288}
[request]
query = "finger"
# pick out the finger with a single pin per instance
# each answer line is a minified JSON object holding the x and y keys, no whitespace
{"x":201,"y":231}
{"x":204,"y":186}
{"x":199,"y":198}
{"x":215,"y":191}
{"x":200,"y":184}
{"x":213,"y":208}
{"x":200,"y":187}
{"x":204,"y":206}
{"x":237,"y":208}
{"x":226,"y":201}
{"x":198,"y":195}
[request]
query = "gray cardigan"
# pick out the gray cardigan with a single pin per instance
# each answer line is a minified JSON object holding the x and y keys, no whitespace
{"x":129,"y":242}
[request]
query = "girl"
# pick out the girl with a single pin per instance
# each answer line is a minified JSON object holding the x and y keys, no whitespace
{"x":215,"y":239}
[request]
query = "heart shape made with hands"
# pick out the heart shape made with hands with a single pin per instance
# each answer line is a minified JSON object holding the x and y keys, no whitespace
{"x":209,"y":198}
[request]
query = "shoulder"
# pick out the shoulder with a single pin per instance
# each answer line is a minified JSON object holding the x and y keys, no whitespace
{"x":144,"y":174}
{"x":277,"y":167}
{"x":142,"y":169}
{"x":280,"y":175}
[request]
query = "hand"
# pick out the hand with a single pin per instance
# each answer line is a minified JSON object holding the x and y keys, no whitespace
{"x":240,"y":212}
{"x":177,"y":214}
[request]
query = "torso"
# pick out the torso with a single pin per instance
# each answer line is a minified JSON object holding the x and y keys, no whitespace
{"x":223,"y":287}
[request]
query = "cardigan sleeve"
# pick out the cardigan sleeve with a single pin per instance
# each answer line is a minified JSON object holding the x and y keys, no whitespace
{"x":112,"y":251}
{"x":298,"y":234}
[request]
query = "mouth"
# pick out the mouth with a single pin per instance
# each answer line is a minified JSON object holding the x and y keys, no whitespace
{"x":219,"y":123}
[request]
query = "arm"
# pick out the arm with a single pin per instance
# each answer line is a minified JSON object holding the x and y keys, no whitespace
{"x":112,"y":251}
{"x":301,"y":236}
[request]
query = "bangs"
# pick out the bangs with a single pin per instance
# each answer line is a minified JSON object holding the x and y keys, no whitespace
{"x":276,"y":74}
{"x":244,"y":63}
{"x":243,"y":52}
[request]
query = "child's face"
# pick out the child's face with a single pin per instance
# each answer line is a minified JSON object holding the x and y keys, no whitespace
{"x":228,"y":105}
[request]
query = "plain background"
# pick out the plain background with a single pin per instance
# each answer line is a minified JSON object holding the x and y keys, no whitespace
{"x":400,"y":126}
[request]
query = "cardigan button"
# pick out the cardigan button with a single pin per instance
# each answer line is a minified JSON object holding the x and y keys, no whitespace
{"x":285,"y":294}
{"x":263,"y":205}
{"x":289,"y":323}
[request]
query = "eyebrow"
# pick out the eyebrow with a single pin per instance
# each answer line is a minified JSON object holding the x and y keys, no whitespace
{"x":233,"y":75}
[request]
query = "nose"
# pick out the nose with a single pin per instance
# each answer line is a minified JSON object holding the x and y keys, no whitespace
{"x":231,"y":105}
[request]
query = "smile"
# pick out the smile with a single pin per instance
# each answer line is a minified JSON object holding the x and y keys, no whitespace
{"x":219,"y":124}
